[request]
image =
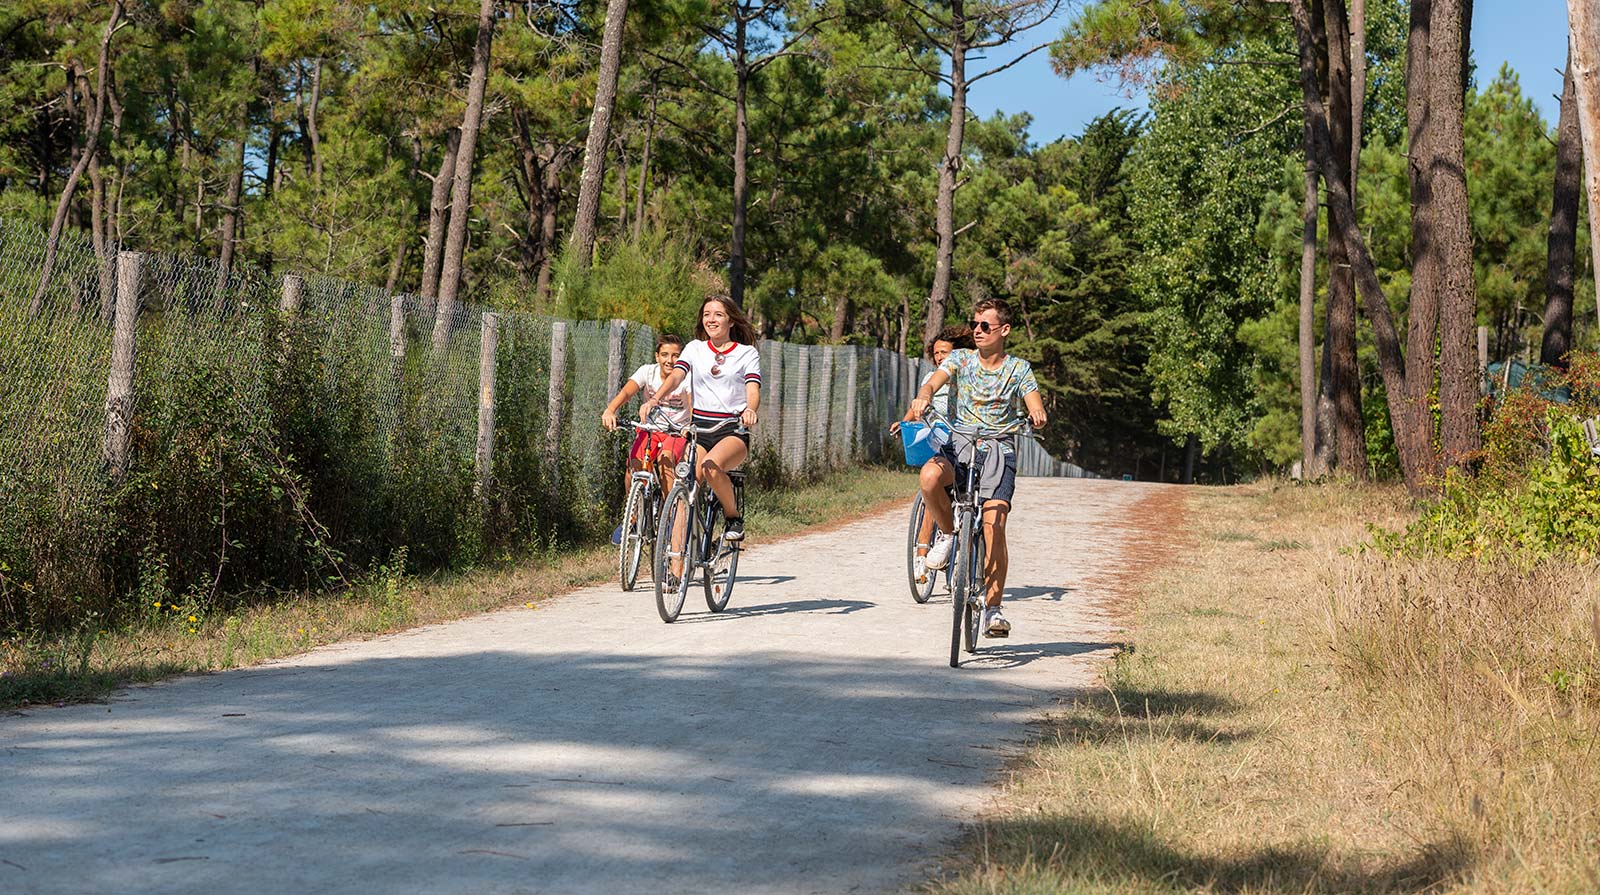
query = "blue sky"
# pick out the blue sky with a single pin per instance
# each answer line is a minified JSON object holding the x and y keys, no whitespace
{"x":1529,"y":34}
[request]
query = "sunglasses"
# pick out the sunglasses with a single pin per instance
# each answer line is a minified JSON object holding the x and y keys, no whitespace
{"x":981,"y":326}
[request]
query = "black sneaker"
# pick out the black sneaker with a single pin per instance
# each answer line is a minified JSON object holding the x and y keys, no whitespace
{"x":733,"y":529}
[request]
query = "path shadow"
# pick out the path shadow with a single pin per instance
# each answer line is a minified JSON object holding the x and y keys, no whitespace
{"x":997,"y":654}
{"x":1052,"y":593}
{"x":1122,"y":855}
{"x":818,"y":606}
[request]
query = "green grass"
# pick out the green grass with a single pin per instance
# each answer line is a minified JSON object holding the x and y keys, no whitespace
{"x":170,"y":639}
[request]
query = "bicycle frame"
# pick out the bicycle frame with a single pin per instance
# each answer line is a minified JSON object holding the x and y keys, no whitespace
{"x":701,"y":502}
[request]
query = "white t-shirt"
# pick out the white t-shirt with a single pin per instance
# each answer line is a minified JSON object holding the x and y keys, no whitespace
{"x":719,"y":395}
{"x":676,"y":404}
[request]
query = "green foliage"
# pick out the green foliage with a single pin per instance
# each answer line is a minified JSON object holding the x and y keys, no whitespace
{"x":1537,"y":492}
{"x":656,"y":281}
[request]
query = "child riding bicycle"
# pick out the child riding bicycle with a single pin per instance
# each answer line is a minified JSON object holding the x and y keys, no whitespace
{"x":648,"y":380}
{"x":991,"y":386}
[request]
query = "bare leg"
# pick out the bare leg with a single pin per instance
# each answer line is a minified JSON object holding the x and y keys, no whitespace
{"x":925,"y":533}
{"x":937,"y":475}
{"x":715,"y":465}
{"x":997,"y":561}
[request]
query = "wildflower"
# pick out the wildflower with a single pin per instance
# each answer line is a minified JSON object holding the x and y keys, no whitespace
{"x":192,"y":619}
{"x":157,"y":604}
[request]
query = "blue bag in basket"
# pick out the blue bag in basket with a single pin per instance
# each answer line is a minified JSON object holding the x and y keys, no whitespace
{"x":922,"y":441}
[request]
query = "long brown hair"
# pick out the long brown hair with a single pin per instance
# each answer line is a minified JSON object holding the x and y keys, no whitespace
{"x":739,"y":326}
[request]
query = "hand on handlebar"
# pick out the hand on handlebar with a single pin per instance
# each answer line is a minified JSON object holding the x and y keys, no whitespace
{"x":1037,"y":418}
{"x":609,"y":420}
{"x":919,"y":406}
{"x":748,"y":418}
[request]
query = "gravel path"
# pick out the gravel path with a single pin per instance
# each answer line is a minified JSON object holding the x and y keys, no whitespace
{"x":810,"y":739}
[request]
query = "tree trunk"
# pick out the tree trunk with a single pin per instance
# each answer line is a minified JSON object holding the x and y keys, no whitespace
{"x":90,"y":148}
{"x":455,"y":246}
{"x":1342,"y":215}
{"x":231,"y":210}
{"x":311,"y":123}
{"x":1350,"y":436}
{"x":1584,"y":21}
{"x":644,"y":166}
{"x":396,"y":265}
{"x":1561,"y":251}
{"x":439,"y":216}
{"x":1414,"y":423}
{"x":1358,"y":85}
{"x":1458,"y":310}
{"x":741,"y":150}
{"x":1308,"y":335}
{"x":949,"y":169}
{"x":530,"y":184}
{"x":841,"y":319}
{"x":550,"y":207}
{"x":594,"y":152}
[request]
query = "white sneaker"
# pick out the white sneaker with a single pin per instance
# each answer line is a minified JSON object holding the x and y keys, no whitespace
{"x":920,"y":567}
{"x":995,"y":624}
{"x":939,"y":554}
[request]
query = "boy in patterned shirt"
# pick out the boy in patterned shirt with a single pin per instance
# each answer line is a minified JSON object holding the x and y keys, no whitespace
{"x":994,"y":388}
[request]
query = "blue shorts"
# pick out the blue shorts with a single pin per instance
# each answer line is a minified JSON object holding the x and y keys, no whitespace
{"x":1001,"y":490}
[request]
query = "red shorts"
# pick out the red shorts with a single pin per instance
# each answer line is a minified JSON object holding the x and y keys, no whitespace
{"x":668,"y":448}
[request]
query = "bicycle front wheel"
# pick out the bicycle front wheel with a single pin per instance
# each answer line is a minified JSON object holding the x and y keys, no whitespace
{"x":976,"y":596}
{"x":722,"y":566}
{"x":674,"y":552}
{"x":631,"y":548}
{"x":920,"y":590}
{"x":960,"y":605}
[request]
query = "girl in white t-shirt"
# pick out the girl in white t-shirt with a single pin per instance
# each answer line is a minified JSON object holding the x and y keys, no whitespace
{"x":723,"y":369}
{"x":647,"y":381}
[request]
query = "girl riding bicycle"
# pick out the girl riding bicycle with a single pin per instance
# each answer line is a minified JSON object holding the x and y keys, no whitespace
{"x":648,"y":381}
{"x":724,"y":371}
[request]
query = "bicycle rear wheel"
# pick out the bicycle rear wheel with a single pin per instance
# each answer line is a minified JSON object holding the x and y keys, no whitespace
{"x":631,"y":549}
{"x":920,"y":591}
{"x":721,"y":567}
{"x":675,"y":529}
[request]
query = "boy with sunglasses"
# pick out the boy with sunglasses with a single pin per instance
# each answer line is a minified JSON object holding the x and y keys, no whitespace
{"x":995,"y":389}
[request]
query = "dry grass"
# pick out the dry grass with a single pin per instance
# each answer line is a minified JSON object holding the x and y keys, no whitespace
{"x":174,"y":639}
{"x":1298,"y":717}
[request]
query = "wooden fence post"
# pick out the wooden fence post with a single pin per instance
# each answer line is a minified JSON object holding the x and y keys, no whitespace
{"x":397,"y":332}
{"x":799,"y":438}
{"x":488,"y":345}
{"x":771,"y":426}
{"x":827,"y":440}
{"x":119,"y":382}
{"x":558,"y":391}
{"x":852,"y":434}
{"x":293,"y":285}
{"x":614,"y":371}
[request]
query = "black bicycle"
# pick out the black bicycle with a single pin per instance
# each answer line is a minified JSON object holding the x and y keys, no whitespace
{"x":967,"y":590}
{"x":690,"y":534}
{"x":921,"y":588}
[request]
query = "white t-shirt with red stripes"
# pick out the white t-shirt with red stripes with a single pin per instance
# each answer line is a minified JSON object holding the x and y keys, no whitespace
{"x":718,"y":378}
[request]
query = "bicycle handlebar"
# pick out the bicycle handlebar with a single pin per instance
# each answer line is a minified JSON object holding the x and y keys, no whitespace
{"x":659,"y":417}
{"x":1020,"y":427}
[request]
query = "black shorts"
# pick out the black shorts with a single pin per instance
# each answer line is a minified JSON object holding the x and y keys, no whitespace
{"x":1001,"y":490}
{"x":709,"y":440}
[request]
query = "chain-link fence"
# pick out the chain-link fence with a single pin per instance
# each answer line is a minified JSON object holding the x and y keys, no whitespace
{"x":165,"y":430}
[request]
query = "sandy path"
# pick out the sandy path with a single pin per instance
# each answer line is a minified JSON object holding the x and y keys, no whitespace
{"x":810,"y":739}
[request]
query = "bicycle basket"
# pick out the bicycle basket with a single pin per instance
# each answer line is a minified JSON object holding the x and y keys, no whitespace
{"x":921,"y":441}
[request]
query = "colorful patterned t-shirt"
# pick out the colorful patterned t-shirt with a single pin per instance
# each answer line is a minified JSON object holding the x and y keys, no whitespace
{"x":989,"y":398}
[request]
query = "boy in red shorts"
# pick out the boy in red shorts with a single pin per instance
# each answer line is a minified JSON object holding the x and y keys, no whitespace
{"x":677,"y":405}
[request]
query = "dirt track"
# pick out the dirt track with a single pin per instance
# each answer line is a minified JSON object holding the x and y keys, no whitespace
{"x":810,"y":739}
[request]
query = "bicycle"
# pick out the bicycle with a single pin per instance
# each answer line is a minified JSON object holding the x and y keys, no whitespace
{"x":695,"y":509}
{"x":967,"y":591}
{"x":920,"y":591}
{"x":640,"y":511}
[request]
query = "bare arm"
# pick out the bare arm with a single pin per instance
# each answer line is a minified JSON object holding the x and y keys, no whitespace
{"x":752,"y":397}
{"x":668,"y":386}
{"x":1036,"y":414}
{"x":624,"y":395}
{"x":924,"y":397}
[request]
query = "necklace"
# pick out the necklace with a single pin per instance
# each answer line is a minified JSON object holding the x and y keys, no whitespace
{"x":719,"y":356}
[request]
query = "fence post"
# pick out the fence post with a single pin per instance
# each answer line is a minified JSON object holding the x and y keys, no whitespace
{"x":397,"y":331}
{"x":292,"y":287}
{"x":119,"y":382}
{"x":770,"y":432}
{"x":1483,"y":360}
{"x":851,"y":399}
{"x":803,"y":398}
{"x":488,"y":345}
{"x":614,"y":371}
{"x":828,"y":352}
{"x":558,"y":388}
